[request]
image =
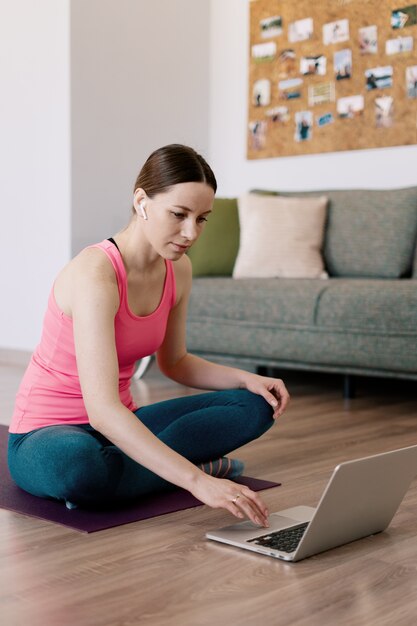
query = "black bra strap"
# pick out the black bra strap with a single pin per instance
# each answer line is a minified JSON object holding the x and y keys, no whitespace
{"x":113,"y":241}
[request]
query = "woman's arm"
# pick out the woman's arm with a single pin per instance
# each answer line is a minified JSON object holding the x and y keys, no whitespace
{"x":188,"y":369}
{"x":94,"y":303}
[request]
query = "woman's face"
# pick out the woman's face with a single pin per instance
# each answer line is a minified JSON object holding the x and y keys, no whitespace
{"x":175,"y":218}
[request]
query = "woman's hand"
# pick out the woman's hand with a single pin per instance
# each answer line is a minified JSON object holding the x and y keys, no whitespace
{"x":241,"y":501}
{"x":272,"y":389}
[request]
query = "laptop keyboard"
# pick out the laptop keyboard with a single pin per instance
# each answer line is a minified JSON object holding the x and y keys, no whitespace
{"x":285,"y":540}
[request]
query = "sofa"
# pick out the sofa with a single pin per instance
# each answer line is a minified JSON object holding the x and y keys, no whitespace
{"x":361,"y":319}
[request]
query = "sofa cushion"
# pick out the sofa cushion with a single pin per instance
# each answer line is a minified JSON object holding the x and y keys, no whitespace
{"x":215,"y":251}
{"x":370,"y":233}
{"x":362,"y":305}
{"x":266,"y":301}
{"x":334,"y":325}
{"x":280,"y":237}
{"x":366,"y":306}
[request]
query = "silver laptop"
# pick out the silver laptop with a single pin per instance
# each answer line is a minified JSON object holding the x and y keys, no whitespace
{"x":360,"y":499}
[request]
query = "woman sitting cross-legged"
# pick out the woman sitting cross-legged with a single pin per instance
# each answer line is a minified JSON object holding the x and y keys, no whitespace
{"x":76,"y":435}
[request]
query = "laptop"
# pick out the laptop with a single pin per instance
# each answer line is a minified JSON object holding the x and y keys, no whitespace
{"x":360,"y":499}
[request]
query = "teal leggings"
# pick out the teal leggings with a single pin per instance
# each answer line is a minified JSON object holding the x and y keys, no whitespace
{"x":78,"y":464}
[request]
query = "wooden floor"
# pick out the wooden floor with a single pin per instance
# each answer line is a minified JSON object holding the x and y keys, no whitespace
{"x":163,"y":572}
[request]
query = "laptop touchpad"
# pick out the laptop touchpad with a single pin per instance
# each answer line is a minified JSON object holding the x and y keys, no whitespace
{"x":277,"y":521}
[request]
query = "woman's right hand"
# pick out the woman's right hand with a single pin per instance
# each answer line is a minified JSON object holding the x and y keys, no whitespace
{"x":238,"y":499}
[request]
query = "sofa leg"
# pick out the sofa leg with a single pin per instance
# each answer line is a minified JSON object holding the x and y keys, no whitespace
{"x":349,"y":387}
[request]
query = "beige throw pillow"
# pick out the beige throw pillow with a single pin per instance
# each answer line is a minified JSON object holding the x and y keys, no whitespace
{"x":280,"y":237}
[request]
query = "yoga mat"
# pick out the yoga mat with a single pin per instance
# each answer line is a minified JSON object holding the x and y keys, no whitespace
{"x":15,"y":499}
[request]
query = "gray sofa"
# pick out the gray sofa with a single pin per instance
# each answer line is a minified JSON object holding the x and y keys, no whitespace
{"x":362,"y":320}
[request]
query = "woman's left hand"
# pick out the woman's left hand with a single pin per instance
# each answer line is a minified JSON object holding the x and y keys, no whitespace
{"x":272,"y":389}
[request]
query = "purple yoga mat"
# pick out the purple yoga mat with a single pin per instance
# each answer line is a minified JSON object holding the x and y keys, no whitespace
{"x":14,"y":499}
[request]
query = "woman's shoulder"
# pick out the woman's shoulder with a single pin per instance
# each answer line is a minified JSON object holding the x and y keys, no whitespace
{"x":88,"y":271}
{"x":92,"y":269}
{"x":93,"y":262}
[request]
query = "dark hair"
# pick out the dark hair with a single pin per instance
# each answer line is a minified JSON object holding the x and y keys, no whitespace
{"x":171,"y":165}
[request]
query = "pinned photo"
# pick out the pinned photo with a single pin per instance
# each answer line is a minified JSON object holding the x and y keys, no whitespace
{"x":303,"y":125}
{"x":407,"y":16}
{"x":398,"y":45}
{"x":262,"y":52}
{"x":320,"y":94}
{"x":379,"y":77}
{"x":278,"y":115}
{"x":313,"y":65}
{"x":262,"y":92}
{"x":290,"y":89}
{"x":384,"y":112}
{"x":287,"y":63}
{"x":257,"y":134}
{"x":343,"y":64}
{"x":335,"y":32}
{"x":368,"y":40}
{"x":350,"y":107}
{"x":271,"y":27}
{"x":301,"y":30}
{"x":325,"y":119}
{"x":411,"y":81}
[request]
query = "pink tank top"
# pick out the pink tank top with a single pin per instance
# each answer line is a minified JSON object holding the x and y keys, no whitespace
{"x":50,"y":391}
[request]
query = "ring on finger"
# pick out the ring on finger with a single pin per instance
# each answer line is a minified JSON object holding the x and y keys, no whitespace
{"x":236,"y":498}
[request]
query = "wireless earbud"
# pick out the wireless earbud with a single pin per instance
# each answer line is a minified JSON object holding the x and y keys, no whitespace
{"x":142,"y":210}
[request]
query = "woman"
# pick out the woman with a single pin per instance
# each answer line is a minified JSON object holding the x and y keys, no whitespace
{"x":76,"y":434}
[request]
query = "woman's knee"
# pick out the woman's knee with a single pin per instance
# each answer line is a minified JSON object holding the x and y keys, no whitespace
{"x":94,"y":473}
{"x":70,"y":465}
{"x":258,"y":411}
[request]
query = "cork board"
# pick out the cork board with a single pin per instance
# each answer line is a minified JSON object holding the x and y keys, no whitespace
{"x":332,"y":75}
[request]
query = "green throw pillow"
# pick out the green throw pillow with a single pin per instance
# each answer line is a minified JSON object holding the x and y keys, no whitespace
{"x":215,"y":252}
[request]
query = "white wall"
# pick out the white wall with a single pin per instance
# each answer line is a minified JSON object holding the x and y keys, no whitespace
{"x":229,"y":44}
{"x":139,"y":74}
{"x":34,"y":162}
